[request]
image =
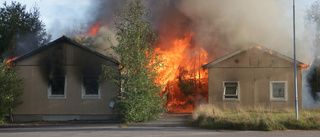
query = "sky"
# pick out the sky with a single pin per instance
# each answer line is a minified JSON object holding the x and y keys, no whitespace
{"x":60,"y":15}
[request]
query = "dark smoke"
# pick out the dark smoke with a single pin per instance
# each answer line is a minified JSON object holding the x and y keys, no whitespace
{"x":219,"y":26}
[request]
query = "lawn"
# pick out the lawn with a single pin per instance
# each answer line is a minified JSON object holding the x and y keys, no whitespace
{"x":210,"y":117}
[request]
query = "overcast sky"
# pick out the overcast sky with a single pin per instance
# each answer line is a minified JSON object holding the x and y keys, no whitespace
{"x":60,"y":15}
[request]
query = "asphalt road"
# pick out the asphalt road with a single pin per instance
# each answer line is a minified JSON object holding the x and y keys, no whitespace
{"x":168,"y":126}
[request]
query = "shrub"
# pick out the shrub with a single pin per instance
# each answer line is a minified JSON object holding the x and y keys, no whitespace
{"x":9,"y":89}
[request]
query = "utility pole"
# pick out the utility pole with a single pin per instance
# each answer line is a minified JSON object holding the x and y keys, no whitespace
{"x":295,"y":61}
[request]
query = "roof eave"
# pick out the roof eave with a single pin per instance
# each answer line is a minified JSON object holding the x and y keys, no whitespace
{"x":66,"y":39}
{"x":210,"y":64}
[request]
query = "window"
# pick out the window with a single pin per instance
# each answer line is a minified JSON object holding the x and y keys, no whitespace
{"x":231,"y":90}
{"x":57,"y":87}
{"x":90,"y":87}
{"x":278,"y":90}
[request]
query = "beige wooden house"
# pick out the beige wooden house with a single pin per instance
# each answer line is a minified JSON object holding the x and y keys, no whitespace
{"x":61,"y":83}
{"x":254,"y":78}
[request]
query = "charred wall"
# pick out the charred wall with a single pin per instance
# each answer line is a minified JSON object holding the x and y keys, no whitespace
{"x":73,"y":62}
{"x":55,"y":60}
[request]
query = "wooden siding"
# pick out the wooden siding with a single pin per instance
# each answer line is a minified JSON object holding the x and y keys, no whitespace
{"x":254,"y":69}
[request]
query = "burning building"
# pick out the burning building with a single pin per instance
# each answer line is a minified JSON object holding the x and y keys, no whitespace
{"x":191,"y":33}
{"x":184,"y":80}
{"x":61,"y":83}
{"x":253,"y":78}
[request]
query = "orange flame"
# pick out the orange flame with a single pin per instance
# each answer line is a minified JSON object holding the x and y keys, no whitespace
{"x":93,"y":30}
{"x":182,"y":54}
{"x":259,"y":47}
{"x":304,"y":66}
{"x":9,"y":63}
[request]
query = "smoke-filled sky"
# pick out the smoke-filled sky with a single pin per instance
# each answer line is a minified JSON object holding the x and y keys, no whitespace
{"x":236,"y":21}
{"x":59,"y":15}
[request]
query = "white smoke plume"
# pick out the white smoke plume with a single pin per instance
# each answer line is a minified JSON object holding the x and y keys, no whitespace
{"x":230,"y":24}
{"x":308,"y":101}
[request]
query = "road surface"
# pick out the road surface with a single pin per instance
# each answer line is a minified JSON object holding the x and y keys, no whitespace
{"x":167,"y":126}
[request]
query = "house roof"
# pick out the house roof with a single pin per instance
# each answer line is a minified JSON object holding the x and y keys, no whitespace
{"x":236,"y":52}
{"x":67,"y":40}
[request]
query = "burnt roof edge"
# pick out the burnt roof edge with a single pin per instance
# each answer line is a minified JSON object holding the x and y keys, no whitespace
{"x":64,"y":39}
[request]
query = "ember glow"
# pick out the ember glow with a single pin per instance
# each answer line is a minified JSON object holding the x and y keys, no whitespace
{"x":304,"y":66}
{"x":260,"y":48}
{"x":9,"y":63}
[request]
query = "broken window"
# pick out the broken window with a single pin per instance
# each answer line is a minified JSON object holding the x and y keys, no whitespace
{"x":278,"y":90}
{"x":231,"y":90}
{"x":57,"y":87}
{"x":91,"y":87}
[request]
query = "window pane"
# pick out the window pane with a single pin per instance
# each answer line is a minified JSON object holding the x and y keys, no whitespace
{"x":57,"y":85}
{"x":91,"y":85}
{"x":278,"y":90}
{"x":231,"y":88}
{"x":233,"y":97}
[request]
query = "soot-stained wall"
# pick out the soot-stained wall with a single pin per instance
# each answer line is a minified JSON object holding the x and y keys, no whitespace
{"x":64,"y":58}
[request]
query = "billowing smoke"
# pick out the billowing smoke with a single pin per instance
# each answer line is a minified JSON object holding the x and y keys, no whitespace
{"x":309,"y":101}
{"x":102,"y":42}
{"x":218,"y":26}
{"x":311,"y":93}
{"x":226,"y":25}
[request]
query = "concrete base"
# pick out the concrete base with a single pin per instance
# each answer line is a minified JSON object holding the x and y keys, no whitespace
{"x":49,"y":117}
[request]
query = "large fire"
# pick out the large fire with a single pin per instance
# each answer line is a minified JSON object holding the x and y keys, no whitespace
{"x":182,"y":76}
{"x":184,"y":80}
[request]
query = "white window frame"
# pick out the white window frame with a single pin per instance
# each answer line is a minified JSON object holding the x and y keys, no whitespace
{"x":85,"y":96}
{"x":64,"y":96}
{"x":285,"y":91}
{"x":237,"y":92}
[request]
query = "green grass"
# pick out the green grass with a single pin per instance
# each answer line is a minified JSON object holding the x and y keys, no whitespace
{"x":210,"y":117}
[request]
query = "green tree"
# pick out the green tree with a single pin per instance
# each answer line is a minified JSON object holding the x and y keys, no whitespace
{"x":9,"y":89}
{"x":20,"y":31}
{"x":139,"y":98}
